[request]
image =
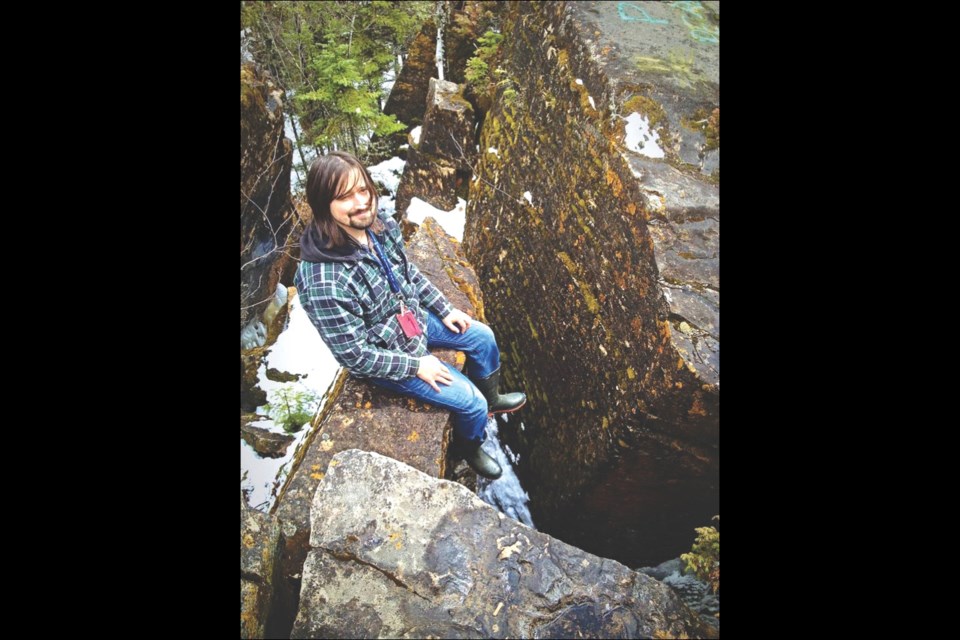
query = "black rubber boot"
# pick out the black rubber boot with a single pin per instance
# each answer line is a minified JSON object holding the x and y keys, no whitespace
{"x":497,"y":402}
{"x":480,"y":462}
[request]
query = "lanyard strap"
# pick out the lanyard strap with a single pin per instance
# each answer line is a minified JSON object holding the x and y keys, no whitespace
{"x":384,"y":263}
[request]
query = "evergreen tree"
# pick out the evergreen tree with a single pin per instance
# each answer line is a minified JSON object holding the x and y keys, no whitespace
{"x":332,"y":56}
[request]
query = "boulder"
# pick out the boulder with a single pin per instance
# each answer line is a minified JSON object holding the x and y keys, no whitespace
{"x":398,"y":553}
{"x":441,"y":161}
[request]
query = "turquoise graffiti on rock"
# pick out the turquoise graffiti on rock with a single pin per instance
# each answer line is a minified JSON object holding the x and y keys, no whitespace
{"x":629,"y":13}
{"x":693,"y":14}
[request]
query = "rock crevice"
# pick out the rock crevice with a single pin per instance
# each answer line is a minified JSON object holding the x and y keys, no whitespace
{"x":604,"y":265}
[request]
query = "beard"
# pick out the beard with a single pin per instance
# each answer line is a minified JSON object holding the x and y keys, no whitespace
{"x":362,"y":220}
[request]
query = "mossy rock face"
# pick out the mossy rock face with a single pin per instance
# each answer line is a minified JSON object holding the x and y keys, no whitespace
{"x":464,"y":26}
{"x":448,"y":124}
{"x":259,"y":543}
{"x":571,"y":236}
{"x":408,"y":97}
{"x":445,"y":153}
{"x":265,"y":206}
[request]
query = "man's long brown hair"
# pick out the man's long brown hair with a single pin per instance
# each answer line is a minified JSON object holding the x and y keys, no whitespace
{"x":328,"y":180}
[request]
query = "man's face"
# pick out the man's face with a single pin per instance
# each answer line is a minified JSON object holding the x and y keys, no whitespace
{"x":352,"y":209}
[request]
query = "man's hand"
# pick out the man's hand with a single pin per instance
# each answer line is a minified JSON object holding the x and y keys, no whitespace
{"x":456,"y":319}
{"x":432,"y":371}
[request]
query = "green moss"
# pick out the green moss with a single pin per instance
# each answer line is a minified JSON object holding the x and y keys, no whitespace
{"x":567,"y":262}
{"x":588,"y":296}
{"x":713,"y":130}
{"x":250,"y":93}
{"x":457,"y":98}
{"x":707,"y":122}
{"x":677,"y":65}
{"x":697,"y":121}
{"x":583,"y":225}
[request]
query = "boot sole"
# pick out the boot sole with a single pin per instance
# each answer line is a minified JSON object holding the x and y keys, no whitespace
{"x":517,"y":408}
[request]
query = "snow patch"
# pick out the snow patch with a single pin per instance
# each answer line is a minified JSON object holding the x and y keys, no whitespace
{"x":300,"y":350}
{"x":641,"y":138}
{"x":439,"y":54}
{"x":452,"y":221}
{"x":388,"y":173}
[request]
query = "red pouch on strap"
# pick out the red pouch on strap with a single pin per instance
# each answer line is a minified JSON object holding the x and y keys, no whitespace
{"x":408,"y":322}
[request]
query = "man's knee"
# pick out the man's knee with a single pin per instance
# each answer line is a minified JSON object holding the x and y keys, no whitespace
{"x":482,"y":333}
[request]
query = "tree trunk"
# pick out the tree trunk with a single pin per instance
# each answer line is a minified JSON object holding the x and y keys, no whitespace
{"x":353,"y":136}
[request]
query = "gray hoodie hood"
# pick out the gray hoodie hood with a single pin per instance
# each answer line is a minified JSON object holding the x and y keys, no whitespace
{"x":314,"y":247}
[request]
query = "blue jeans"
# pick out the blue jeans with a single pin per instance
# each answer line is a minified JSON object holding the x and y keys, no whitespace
{"x":462,"y":398}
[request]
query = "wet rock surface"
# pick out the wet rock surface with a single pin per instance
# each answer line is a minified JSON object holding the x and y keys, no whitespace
{"x":398,"y":553}
{"x":267,"y":443}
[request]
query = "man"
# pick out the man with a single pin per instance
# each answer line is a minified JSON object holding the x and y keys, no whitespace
{"x":378,"y":314}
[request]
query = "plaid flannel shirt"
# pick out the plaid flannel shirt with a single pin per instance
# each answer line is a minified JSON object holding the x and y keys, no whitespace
{"x":351,"y":305}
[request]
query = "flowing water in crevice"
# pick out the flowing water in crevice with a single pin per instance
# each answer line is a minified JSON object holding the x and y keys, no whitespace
{"x":504,"y":493}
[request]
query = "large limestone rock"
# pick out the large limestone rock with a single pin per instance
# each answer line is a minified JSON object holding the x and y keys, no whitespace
{"x":397,"y":553}
{"x":604,"y":265}
{"x":448,"y":124}
{"x":267,"y":217}
{"x":428,"y":178}
{"x":445,"y":151}
{"x":362,"y":416}
{"x":408,"y":97}
{"x":661,"y":61}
